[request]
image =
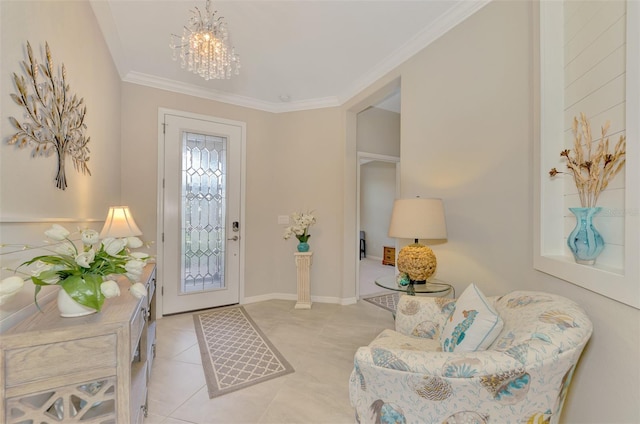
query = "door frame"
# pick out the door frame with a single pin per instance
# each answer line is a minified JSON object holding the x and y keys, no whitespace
{"x":160,"y":197}
{"x":362,"y":158}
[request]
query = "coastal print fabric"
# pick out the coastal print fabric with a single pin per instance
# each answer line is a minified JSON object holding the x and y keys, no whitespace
{"x":390,"y":339}
{"x":423,"y":319}
{"x":473,"y":324}
{"x":522,"y":377}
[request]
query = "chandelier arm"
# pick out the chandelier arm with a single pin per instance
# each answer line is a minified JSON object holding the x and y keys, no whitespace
{"x":199,"y":14}
{"x":204,"y":46}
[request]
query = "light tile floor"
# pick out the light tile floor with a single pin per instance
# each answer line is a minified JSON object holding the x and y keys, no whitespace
{"x":319,"y":344}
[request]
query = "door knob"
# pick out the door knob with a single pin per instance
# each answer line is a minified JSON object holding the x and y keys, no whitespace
{"x":234,"y":238}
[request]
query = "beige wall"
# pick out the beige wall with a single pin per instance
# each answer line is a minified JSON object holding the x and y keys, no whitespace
{"x":467,"y":136}
{"x":293,"y":162}
{"x":29,"y":200}
{"x":27,"y":187}
{"x":379,"y":132}
{"x":467,"y":125}
{"x":307,"y":170}
{"x":467,"y":99}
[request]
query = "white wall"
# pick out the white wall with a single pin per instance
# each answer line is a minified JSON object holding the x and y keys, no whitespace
{"x":30,"y":202}
{"x":377,"y":193}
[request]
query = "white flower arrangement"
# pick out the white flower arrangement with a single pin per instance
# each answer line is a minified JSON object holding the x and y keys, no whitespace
{"x":300,"y":228}
{"x":84,"y":274}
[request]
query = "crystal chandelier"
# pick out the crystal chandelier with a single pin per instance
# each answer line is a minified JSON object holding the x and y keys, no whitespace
{"x":204,"y":46}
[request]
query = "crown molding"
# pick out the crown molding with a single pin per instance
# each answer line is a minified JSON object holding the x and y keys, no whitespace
{"x":195,"y":90}
{"x":319,"y":103}
{"x":220,"y":96}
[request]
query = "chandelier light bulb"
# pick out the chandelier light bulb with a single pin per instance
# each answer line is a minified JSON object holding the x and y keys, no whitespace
{"x":204,"y":47}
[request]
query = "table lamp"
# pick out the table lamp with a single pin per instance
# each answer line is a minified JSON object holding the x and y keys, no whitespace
{"x":417,"y":219}
{"x":119,"y":223}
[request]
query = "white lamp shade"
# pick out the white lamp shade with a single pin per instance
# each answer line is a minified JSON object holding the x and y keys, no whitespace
{"x":119,"y":223}
{"x":418,"y":219}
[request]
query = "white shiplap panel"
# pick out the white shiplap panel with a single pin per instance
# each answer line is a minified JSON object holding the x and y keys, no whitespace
{"x":611,"y":39}
{"x":616,"y":272}
{"x":616,"y":117}
{"x":612,"y":13}
{"x":606,"y":70}
{"x":613,"y":200}
{"x":604,"y":98}
{"x":611,"y":229}
{"x":577,"y":15}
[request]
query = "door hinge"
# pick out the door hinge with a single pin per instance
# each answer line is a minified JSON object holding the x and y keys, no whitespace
{"x":163,"y":183}
{"x":162,"y":291}
{"x":164,"y":127}
{"x":163,"y":237}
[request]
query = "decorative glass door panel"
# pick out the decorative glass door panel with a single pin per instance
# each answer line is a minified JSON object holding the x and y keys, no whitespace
{"x":204,"y":166}
{"x":201,"y":211}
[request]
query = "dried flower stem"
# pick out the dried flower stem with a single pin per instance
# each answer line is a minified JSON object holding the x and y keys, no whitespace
{"x":591,"y":171}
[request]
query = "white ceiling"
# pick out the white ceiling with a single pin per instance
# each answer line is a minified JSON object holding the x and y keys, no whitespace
{"x":317,"y":53}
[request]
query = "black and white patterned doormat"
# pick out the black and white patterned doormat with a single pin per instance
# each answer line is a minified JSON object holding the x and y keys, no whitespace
{"x":235,"y":353}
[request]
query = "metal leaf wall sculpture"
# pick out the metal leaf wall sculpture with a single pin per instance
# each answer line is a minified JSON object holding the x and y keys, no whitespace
{"x":54,"y":119}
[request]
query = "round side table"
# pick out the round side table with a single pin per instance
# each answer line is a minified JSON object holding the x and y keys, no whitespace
{"x":431,"y":287}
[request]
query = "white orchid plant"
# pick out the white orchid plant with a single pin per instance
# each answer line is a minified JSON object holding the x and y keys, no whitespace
{"x":85,"y":274}
{"x":300,"y":228}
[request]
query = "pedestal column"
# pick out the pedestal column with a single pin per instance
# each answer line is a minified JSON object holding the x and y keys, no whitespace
{"x":303,"y":265}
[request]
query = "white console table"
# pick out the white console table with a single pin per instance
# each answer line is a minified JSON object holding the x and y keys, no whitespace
{"x":303,"y":265}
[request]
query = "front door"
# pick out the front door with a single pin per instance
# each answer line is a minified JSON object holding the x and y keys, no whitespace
{"x":201,"y":212}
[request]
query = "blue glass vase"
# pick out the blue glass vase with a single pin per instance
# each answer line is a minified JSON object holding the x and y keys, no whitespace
{"x":303,"y":246}
{"x":585,"y":242}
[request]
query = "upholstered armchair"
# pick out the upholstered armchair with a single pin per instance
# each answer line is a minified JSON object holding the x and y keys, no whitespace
{"x":404,"y":376}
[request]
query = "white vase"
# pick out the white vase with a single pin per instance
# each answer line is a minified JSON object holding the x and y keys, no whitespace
{"x":69,"y":308}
